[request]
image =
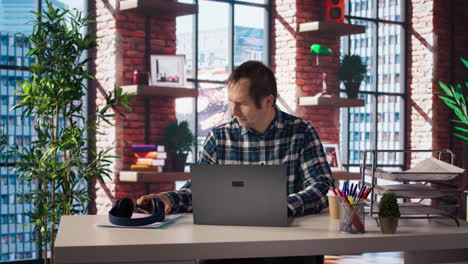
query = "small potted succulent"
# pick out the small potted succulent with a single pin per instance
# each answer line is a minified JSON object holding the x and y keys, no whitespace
{"x":389,"y":213}
{"x":178,"y":140}
{"x":352,"y":72}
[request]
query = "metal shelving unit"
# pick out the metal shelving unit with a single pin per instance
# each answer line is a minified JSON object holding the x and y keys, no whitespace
{"x":429,"y":179}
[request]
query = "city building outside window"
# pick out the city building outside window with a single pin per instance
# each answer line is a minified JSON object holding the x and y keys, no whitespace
{"x":383,"y":89}
{"x":17,"y":239}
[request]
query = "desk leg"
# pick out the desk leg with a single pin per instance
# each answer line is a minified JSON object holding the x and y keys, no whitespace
{"x":437,"y":256}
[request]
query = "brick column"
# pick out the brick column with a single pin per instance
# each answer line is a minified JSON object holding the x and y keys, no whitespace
{"x":298,"y":72}
{"x":420,"y":78}
{"x":121,"y":50}
{"x":433,"y":55}
{"x":438,"y":37}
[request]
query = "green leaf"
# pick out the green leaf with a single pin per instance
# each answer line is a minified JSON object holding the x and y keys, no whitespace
{"x":465,"y":62}
{"x":458,"y":121}
{"x":447,"y":90}
{"x":461,"y":129}
{"x":461,"y":136}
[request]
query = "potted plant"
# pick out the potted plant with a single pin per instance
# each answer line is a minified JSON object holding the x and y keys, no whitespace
{"x":61,"y":160}
{"x":352,"y":71}
{"x":389,"y":213}
{"x":178,"y":140}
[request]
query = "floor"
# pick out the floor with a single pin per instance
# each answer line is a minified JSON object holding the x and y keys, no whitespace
{"x":371,"y":258}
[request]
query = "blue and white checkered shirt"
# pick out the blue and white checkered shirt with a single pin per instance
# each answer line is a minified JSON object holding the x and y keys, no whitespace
{"x":289,"y":140}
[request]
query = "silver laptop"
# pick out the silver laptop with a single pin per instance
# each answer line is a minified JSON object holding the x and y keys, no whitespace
{"x":251,"y":195}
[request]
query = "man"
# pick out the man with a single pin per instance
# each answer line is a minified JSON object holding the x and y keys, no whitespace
{"x":260,"y":133}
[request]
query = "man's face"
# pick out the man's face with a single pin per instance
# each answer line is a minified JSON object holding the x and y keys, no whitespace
{"x":243,"y":105}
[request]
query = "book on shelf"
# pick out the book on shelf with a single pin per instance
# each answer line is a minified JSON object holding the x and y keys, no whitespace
{"x":147,"y":148}
{"x":150,"y":162}
{"x":144,"y":168}
{"x":150,"y":155}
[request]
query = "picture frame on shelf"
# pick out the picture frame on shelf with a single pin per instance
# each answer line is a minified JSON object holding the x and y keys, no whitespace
{"x":332,"y":153}
{"x":168,"y":70}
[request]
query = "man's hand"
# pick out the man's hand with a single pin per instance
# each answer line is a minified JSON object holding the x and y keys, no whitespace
{"x":145,"y":200}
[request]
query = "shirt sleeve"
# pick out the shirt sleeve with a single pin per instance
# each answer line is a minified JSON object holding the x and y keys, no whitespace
{"x":182,"y":198}
{"x":315,"y":177}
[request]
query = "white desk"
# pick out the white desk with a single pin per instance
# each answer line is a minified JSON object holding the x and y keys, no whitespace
{"x":79,"y":240}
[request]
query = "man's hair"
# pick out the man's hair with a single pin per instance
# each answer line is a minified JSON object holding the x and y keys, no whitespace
{"x":262,"y":80}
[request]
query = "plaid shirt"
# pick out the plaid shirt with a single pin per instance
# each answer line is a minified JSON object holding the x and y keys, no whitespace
{"x":289,"y":140}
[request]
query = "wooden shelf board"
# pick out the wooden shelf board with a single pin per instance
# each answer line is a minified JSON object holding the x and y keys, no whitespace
{"x":323,"y":100}
{"x":158,"y":7}
{"x":152,"y":177}
{"x":344,"y":175}
{"x":150,"y":90}
{"x":332,"y":28}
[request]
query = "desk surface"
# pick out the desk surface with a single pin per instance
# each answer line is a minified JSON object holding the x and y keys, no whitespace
{"x":81,"y":240}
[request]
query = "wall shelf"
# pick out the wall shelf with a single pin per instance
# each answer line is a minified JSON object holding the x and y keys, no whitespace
{"x":324,"y":100}
{"x":158,"y":7}
{"x":152,"y":177}
{"x":150,"y":90}
{"x":331,"y":28}
{"x":344,"y":175}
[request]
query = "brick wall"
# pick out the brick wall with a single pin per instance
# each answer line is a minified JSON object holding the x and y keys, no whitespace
{"x":420,"y":77}
{"x":438,"y":37}
{"x":121,"y":50}
{"x":298,"y":72}
{"x":434,"y":48}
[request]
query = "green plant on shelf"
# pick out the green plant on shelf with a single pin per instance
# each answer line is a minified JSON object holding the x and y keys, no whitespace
{"x":352,"y":72}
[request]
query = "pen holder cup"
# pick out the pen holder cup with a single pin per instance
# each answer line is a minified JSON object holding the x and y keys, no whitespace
{"x":352,"y":218}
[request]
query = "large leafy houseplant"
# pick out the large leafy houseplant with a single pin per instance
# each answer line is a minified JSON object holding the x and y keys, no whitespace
{"x":352,"y":72}
{"x":56,"y":161}
{"x":178,"y":140}
{"x":454,"y":98}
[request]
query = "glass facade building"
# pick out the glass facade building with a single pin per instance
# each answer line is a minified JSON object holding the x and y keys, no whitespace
{"x":380,"y":123}
{"x":17,"y":239}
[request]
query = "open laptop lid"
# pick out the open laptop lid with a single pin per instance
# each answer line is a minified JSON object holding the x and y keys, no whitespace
{"x":253,"y":195}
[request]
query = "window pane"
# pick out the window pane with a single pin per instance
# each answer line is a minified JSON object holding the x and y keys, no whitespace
{"x":213,"y":41}
{"x":185,"y":42}
{"x":15,"y":130}
{"x":14,"y":16}
{"x":213,"y":108}
{"x":362,"y":8}
{"x":249,"y":34}
{"x":185,"y":111}
{"x":390,"y":10}
{"x":389,"y":123}
{"x":362,"y":44}
{"x":255,"y":1}
{"x":360,"y":129}
{"x":389,"y":60}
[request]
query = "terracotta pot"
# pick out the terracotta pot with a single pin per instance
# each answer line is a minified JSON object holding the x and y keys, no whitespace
{"x":388,"y":225}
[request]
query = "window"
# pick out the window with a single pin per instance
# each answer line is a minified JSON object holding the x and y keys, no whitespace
{"x":17,"y":240}
{"x":383,"y":88}
{"x":221,"y":36}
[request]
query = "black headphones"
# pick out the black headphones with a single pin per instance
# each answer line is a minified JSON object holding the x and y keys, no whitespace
{"x":122,"y":211}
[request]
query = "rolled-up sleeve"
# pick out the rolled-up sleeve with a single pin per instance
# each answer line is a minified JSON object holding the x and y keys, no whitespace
{"x":314,"y":176}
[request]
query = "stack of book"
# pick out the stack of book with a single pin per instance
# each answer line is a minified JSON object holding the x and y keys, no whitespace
{"x":149,"y":158}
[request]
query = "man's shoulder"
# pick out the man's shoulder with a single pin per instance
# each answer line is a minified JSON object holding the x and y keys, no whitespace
{"x":292,"y":121}
{"x":225,"y":127}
